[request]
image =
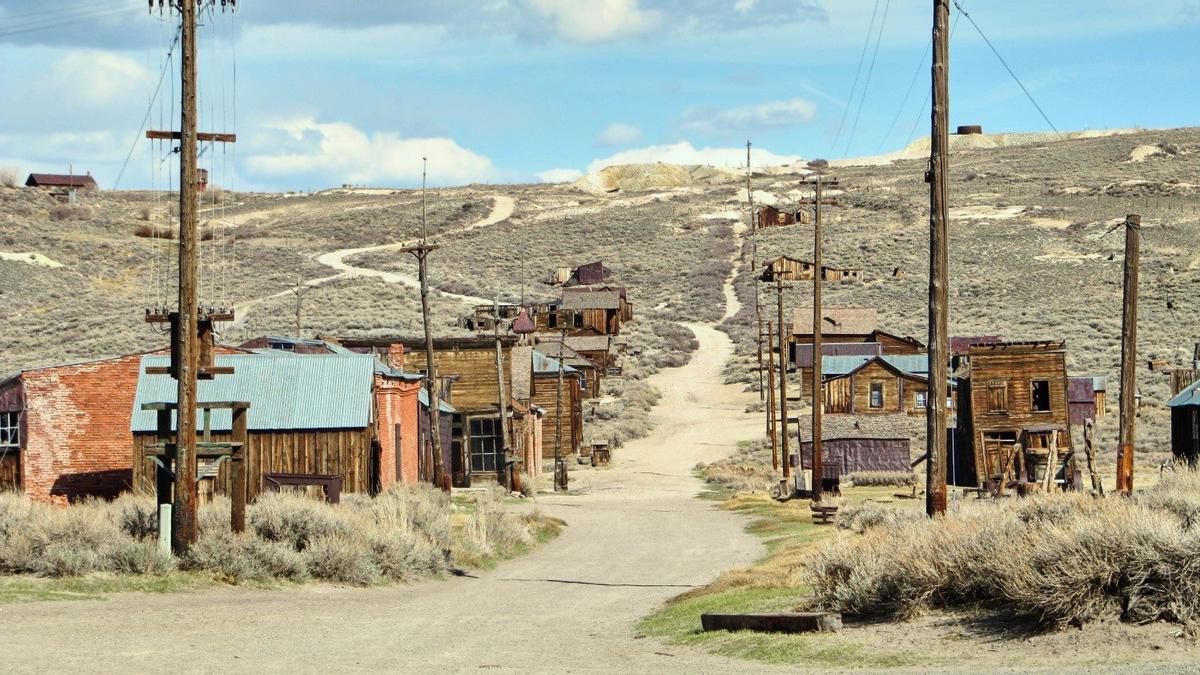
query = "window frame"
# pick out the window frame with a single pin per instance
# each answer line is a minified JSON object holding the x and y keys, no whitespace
{"x":875,"y":388}
{"x":921,"y":399}
{"x":1033,"y":399}
{"x":10,"y":428}
{"x":484,"y":446}
{"x":997,"y":385}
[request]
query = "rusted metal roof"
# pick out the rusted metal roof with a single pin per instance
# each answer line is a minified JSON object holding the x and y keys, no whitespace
{"x":285,"y":391}
{"x":838,"y":320}
{"x":60,"y":180}
{"x":960,"y":344}
{"x":804,"y":352}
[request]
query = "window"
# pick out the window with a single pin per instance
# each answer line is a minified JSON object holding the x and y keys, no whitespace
{"x":485,"y":444}
{"x":10,"y":430}
{"x":922,"y":399}
{"x":997,"y":393}
{"x":1039,"y":395}
{"x":552,"y":319}
{"x":876,"y":394}
{"x":578,"y":320}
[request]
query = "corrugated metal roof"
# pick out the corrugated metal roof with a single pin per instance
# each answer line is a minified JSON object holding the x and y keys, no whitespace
{"x":913,"y":364}
{"x":423,"y":399}
{"x":804,"y":351}
{"x":543,"y":364}
{"x":285,"y":391}
{"x":1187,"y":397}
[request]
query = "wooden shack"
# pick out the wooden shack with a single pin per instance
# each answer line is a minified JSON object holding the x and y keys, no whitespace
{"x":842,"y":326}
{"x":597,"y":310}
{"x":61,"y":181}
{"x":1014,"y":397}
{"x":795,"y":269}
{"x":802,"y":359}
{"x":540,"y":391}
{"x":476,"y":447}
{"x":876,"y":385}
{"x":769,"y":216}
{"x":1185,"y":425}
{"x":589,"y":373}
{"x":344,"y":415}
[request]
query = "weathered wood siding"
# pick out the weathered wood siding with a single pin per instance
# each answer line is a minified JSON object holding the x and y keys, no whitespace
{"x":1185,"y":433}
{"x":545,"y":396}
{"x":348,"y":453}
{"x":476,"y":389}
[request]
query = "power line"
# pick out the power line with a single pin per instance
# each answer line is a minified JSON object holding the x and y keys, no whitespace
{"x":929,"y":93}
{"x":56,"y":22}
{"x":911,"y":85}
{"x":854,"y":86}
{"x":870,"y":71}
{"x":149,"y":109}
{"x":1006,"y":67}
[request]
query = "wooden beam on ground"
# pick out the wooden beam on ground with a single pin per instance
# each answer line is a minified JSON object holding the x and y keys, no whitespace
{"x":774,"y":622}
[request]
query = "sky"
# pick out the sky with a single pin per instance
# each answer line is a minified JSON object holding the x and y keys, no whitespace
{"x":324,"y":93}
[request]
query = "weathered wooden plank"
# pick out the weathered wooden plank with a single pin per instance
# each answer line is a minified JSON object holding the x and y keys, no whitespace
{"x":776,"y":622}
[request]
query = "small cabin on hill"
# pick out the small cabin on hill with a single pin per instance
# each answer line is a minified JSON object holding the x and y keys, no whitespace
{"x":1185,"y":424}
{"x":794,"y":269}
{"x":1015,"y":406}
{"x":61,"y":181}
{"x":585,"y":275}
{"x":769,"y":216}
{"x":1086,"y":395}
{"x":598,"y":310}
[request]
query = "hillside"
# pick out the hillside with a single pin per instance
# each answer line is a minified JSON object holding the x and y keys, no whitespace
{"x":1029,"y":253}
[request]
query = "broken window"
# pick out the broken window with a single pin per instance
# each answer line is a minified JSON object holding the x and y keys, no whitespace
{"x":997,"y":396}
{"x":484,"y":444}
{"x":876,"y":394}
{"x":922,"y":399}
{"x":1039,"y":395}
{"x":10,"y":430}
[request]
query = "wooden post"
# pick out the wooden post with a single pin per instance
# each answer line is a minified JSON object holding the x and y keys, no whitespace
{"x":183,"y":514}
{"x":772,"y":433}
{"x":1133,"y":226}
{"x":935,"y":466}
{"x":818,"y":391}
{"x":503,"y":404}
{"x":783,"y":407}
{"x":1051,"y":461}
{"x":1089,"y":449}
{"x":560,"y":467}
{"x":238,"y":465}
{"x":433,"y":471}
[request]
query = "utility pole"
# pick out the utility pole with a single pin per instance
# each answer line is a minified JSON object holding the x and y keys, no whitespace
{"x":783,"y":408}
{"x":560,"y":467}
{"x":1133,"y":233}
{"x":754,"y":268}
{"x":935,"y":431}
{"x":299,"y":289}
{"x":772,"y":433}
{"x":192,"y":334}
{"x":501,"y":392}
{"x":818,"y":374}
{"x":432,"y":471}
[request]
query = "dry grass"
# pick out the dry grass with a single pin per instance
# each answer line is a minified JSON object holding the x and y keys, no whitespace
{"x":874,"y":478}
{"x":1048,"y":561}
{"x":401,"y":535}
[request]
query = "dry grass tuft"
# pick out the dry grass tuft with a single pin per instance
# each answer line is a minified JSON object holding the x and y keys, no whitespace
{"x":882,"y":478}
{"x":1049,"y":560}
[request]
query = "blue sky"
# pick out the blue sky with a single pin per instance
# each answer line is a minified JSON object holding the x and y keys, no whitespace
{"x":526,"y":90}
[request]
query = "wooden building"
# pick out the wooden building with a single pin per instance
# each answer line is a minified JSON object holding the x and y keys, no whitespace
{"x":480,"y":320}
{"x":344,"y":415}
{"x":61,"y":181}
{"x":590,"y":374}
{"x":540,"y":391}
{"x":842,"y":326}
{"x":596,"y":310}
{"x":854,"y":443}
{"x":468,"y":366}
{"x":794,"y":269}
{"x":876,"y":385}
{"x":1185,"y":425}
{"x":769,"y":216}
{"x":1014,"y":411}
{"x":802,"y":360}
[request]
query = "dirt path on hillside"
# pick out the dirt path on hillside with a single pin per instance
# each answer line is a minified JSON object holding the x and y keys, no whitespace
{"x":636,"y":537}
{"x":502,"y":209}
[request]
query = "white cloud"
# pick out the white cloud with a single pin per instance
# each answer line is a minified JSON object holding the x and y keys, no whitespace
{"x":342,"y":153}
{"x":685,"y":153}
{"x":619,"y":133}
{"x":596,"y":20}
{"x":559,"y":175}
{"x":773,"y":115}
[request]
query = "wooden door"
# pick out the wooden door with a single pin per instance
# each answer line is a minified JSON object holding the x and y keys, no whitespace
{"x":10,"y":471}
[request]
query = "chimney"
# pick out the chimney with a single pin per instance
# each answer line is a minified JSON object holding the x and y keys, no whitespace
{"x":396,"y":355}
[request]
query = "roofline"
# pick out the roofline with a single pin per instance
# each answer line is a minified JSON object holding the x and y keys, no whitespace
{"x":418,"y":343}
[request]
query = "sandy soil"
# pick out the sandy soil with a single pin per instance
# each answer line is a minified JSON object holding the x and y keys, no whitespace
{"x":30,"y":258}
{"x":636,"y":537}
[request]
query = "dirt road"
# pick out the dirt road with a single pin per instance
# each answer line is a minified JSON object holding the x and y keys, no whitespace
{"x":636,"y":537}
{"x":502,"y":209}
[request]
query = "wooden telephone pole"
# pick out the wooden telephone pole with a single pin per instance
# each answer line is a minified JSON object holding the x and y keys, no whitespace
{"x":758,"y":320}
{"x":783,"y":407}
{"x":432,"y":470}
{"x":560,"y":467}
{"x":192,"y":337}
{"x":1133,"y":233}
{"x":771,"y":420}
{"x":502,"y":393}
{"x":935,"y":430}
{"x":818,"y":374}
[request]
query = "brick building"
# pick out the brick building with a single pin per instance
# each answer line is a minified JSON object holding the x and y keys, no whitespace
{"x":69,"y":425}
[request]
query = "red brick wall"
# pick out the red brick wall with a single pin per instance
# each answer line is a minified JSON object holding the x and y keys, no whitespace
{"x":396,"y":403}
{"x":78,"y":441}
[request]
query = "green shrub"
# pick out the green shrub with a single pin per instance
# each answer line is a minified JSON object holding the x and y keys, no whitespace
{"x":337,"y":557}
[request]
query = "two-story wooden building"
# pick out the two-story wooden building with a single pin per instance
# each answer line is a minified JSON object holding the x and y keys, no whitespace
{"x":1014,"y":412}
{"x":876,"y":385}
{"x":842,"y":326}
{"x":596,"y":310}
